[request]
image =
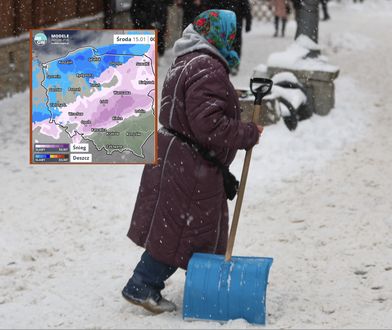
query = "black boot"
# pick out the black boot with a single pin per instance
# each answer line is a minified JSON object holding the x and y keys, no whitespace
{"x":141,"y":295}
{"x":145,"y":286}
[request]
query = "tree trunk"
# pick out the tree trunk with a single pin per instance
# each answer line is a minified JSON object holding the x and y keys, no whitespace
{"x":307,"y":17}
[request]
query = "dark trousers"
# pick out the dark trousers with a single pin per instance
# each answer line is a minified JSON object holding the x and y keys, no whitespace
{"x":162,"y":24}
{"x":108,"y":11}
{"x":284,"y":21}
{"x":148,"y":278}
{"x":324,"y":7}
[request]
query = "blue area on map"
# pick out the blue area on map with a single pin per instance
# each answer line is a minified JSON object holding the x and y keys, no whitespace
{"x":36,"y":69}
{"x":81,"y":64}
{"x":41,"y":112}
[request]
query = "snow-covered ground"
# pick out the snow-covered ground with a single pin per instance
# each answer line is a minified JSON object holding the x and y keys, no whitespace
{"x":318,"y":201}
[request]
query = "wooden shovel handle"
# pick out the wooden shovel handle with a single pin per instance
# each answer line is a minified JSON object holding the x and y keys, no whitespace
{"x":241,"y":190}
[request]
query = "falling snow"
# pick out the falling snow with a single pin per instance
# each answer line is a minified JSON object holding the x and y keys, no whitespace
{"x":317,"y":200}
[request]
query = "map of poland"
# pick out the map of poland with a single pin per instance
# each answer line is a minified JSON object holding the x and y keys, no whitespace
{"x":93,"y":96}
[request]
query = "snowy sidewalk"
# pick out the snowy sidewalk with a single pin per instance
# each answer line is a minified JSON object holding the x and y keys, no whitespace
{"x":318,"y":201}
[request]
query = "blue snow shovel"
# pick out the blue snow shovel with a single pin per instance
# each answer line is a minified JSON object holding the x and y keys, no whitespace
{"x":223,"y":288}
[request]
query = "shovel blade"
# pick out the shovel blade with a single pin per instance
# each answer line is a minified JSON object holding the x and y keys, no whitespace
{"x":221,"y":291}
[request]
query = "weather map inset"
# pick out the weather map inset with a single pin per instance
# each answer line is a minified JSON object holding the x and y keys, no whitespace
{"x":93,"y":96}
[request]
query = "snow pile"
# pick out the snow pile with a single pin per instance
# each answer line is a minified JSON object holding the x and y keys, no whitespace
{"x":284,"y":76}
{"x":294,"y":57}
{"x":293,"y":95}
{"x":307,"y":43}
{"x":348,"y":42}
{"x":260,"y":71}
{"x":314,"y":142}
{"x":381,"y":7}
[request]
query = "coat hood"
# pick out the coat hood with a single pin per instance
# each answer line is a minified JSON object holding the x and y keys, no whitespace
{"x":192,"y":41}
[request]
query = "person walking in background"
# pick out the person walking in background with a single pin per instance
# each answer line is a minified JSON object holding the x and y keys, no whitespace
{"x":108,"y":13}
{"x":280,"y":8}
{"x":242,"y":9}
{"x":141,"y":13}
{"x":296,"y":6}
{"x":181,"y":207}
{"x":190,"y":8}
{"x":151,"y":14}
{"x":161,"y":13}
{"x":324,"y":6}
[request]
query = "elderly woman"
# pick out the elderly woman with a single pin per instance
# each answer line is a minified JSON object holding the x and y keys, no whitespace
{"x":181,"y":206}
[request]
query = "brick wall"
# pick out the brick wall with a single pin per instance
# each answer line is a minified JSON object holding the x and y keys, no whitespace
{"x":17,"y":17}
{"x":15,"y":56}
{"x":6,"y":18}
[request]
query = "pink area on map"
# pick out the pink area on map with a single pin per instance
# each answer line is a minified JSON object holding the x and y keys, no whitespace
{"x":48,"y":128}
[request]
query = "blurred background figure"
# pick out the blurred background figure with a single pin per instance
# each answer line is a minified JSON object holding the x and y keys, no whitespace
{"x":281,"y":10}
{"x":151,"y":14}
{"x":242,"y":9}
{"x":296,"y":6}
{"x":358,"y":0}
{"x":108,"y":13}
{"x":324,"y":7}
{"x":141,"y":14}
{"x":191,"y":9}
{"x":161,"y":13}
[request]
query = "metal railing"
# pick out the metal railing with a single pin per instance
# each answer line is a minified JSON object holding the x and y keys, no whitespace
{"x":261,"y":10}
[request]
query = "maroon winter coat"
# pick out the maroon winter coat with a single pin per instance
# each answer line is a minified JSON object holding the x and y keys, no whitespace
{"x":181,"y":207}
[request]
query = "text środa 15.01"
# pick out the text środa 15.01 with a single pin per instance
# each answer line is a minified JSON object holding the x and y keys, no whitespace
{"x":134,"y":39}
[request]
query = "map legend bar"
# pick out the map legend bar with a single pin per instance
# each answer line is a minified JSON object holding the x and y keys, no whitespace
{"x":51,"y":158}
{"x":54,"y":147}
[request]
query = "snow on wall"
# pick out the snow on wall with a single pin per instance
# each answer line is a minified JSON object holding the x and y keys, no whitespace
{"x":294,"y":57}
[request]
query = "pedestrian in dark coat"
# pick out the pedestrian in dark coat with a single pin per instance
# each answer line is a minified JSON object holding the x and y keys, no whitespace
{"x":242,"y":9}
{"x":109,"y":7}
{"x":141,"y":13}
{"x":152,"y":14}
{"x":324,"y":7}
{"x":181,"y":207}
{"x":161,"y":13}
{"x":191,"y":9}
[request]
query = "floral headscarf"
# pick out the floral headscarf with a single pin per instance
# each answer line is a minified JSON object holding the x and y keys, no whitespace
{"x":218,"y":27}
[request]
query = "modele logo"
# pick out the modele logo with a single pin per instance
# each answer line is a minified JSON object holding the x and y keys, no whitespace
{"x":59,"y":39}
{"x":40,"y":39}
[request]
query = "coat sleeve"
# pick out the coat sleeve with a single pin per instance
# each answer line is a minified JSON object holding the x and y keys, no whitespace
{"x":207,"y":103}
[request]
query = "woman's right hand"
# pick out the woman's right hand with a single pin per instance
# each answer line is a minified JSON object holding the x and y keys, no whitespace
{"x":260,"y":129}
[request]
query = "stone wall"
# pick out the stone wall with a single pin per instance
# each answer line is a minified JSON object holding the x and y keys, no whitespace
{"x":319,"y":84}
